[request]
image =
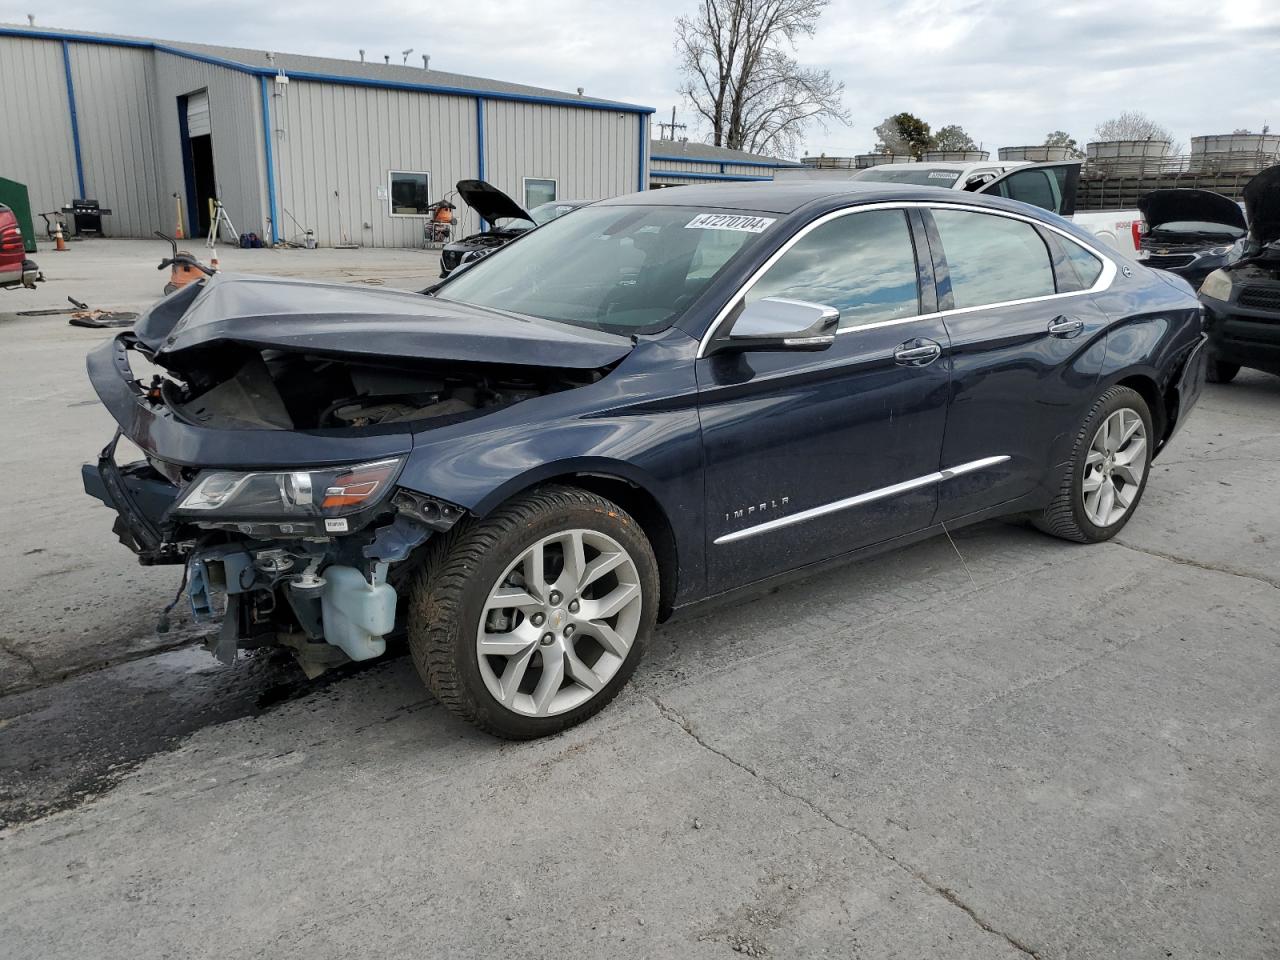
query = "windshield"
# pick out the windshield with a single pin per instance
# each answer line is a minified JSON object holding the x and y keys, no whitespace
{"x":1199,"y":226}
{"x":622,"y":269}
{"x":920,"y":176}
{"x":546,"y":212}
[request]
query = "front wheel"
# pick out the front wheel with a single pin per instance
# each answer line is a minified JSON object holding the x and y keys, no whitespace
{"x":1108,"y":470}
{"x":1219,"y":371}
{"x":531,"y":620}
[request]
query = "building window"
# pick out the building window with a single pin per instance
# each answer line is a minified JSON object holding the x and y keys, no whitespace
{"x":538,"y":192}
{"x":410,"y":193}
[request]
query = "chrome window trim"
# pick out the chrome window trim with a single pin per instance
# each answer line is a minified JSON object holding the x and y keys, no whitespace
{"x":1104,"y":281}
{"x":859,"y":499}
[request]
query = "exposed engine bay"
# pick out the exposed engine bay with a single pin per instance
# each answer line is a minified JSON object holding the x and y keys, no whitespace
{"x":253,"y":389}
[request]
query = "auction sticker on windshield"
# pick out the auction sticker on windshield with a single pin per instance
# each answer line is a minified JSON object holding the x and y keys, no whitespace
{"x":729,"y":221}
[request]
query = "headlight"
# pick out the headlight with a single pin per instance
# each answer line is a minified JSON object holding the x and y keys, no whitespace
{"x":292,"y":494}
{"x":1217,"y":285}
{"x":1218,"y":251}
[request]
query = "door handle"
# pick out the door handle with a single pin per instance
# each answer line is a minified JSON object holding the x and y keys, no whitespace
{"x":1065,"y":327}
{"x":917,"y":353}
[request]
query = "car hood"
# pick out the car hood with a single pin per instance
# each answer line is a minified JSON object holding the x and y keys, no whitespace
{"x":490,"y":202}
{"x":1262,"y":203}
{"x":329,"y":319}
{"x":1167,"y":206}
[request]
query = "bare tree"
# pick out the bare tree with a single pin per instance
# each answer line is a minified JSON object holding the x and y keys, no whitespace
{"x":1135,"y":125}
{"x":741,"y":78}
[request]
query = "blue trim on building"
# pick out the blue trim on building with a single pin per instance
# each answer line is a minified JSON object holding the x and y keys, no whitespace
{"x":326,"y":77}
{"x":705,"y":176}
{"x":642,"y":178}
{"x":75,"y":118}
{"x":271,"y":168}
{"x":484,"y":226}
{"x":732,"y":163}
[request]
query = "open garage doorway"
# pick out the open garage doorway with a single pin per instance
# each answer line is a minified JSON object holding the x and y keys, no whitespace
{"x":197,"y":159}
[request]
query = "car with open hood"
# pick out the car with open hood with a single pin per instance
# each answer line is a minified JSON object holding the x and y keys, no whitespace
{"x":663,"y":400}
{"x":507,"y":220}
{"x":1242,"y":298}
{"x":1189,"y":232}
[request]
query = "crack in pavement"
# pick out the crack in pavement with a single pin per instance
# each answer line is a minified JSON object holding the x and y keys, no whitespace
{"x":1200,"y":564}
{"x":946,"y":893}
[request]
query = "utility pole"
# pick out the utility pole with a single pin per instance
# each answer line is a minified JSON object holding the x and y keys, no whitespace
{"x":663,"y":128}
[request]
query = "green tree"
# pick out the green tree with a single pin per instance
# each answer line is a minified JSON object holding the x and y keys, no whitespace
{"x":904,"y":134}
{"x":1060,"y":138}
{"x":953,"y":137}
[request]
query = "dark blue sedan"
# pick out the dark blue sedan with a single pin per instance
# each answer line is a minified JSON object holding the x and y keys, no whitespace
{"x":663,"y":399}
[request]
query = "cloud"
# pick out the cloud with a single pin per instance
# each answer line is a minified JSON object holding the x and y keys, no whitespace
{"x":1008,"y":71}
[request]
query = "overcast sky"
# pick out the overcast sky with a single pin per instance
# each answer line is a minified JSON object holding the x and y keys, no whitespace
{"x":1008,"y":71}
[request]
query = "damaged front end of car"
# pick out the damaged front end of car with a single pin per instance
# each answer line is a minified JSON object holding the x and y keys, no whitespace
{"x":275,"y":441}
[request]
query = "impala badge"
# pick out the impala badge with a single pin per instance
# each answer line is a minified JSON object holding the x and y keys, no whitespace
{"x":765,"y":506}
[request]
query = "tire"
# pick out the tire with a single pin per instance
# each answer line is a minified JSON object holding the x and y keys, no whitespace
{"x":1084,"y":516}
{"x":1220,"y":371}
{"x":510,"y":693}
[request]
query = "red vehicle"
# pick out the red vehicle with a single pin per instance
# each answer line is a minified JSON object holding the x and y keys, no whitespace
{"x":15,"y":269}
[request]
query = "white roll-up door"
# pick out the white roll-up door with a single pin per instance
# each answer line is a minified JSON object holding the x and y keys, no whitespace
{"x":198,"y":114}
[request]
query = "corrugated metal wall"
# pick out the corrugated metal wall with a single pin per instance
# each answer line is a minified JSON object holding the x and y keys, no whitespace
{"x":591,"y":153}
{"x":333,"y":145}
{"x":35,"y":135}
{"x":115,"y":108}
{"x":347,"y":139}
{"x":236,"y":119}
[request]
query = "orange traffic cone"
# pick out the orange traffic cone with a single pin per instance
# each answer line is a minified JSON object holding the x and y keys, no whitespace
{"x":59,"y":243}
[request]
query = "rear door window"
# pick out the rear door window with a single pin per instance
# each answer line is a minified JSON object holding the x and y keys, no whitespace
{"x":993,"y":259}
{"x":863,"y":264}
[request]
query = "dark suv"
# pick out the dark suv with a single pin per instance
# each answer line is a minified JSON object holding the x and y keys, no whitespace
{"x":1243,"y":297}
{"x":661,"y":399}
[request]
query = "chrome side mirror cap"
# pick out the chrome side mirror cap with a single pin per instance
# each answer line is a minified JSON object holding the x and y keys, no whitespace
{"x":775,"y":323}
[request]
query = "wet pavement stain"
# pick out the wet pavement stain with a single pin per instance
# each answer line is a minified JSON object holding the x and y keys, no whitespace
{"x":67,"y":743}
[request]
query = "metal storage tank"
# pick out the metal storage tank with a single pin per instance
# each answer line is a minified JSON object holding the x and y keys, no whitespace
{"x":1234,"y":153}
{"x":961,"y":156}
{"x":1127,"y":158}
{"x":1035,"y":154}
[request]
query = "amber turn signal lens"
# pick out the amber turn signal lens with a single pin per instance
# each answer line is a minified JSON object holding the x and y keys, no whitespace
{"x":351,"y":489}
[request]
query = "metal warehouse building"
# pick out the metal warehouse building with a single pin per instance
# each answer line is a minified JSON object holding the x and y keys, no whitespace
{"x":676,"y":162}
{"x":347,"y":149}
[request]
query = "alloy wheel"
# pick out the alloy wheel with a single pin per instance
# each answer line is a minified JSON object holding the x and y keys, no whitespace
{"x":559,"y":622}
{"x":1114,"y":467}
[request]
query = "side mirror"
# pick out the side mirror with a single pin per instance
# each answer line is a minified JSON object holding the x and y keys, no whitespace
{"x":774,"y":323}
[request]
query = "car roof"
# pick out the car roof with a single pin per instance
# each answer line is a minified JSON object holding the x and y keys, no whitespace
{"x":782,"y":198}
{"x":961,"y":165}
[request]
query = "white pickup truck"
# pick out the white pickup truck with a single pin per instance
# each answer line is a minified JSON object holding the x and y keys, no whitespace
{"x":1051,"y":185}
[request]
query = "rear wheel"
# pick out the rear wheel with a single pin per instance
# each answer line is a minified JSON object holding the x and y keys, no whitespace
{"x":532,"y":619}
{"x":1108,"y":470}
{"x":1221,"y":372}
